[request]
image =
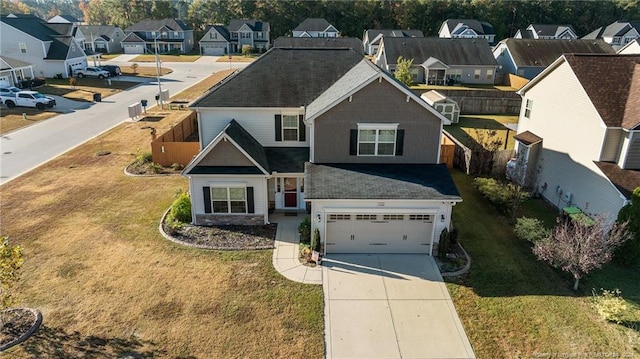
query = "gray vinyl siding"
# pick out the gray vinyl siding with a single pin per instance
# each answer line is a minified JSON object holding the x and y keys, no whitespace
{"x":611,"y":145}
{"x":226,"y":154}
{"x":633,"y":153}
{"x":421,"y":127}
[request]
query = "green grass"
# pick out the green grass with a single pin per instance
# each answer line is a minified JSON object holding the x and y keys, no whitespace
{"x":514,"y":306}
{"x":465,"y":129}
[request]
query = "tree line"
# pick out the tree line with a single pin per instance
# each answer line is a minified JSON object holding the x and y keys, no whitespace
{"x":350,"y":17}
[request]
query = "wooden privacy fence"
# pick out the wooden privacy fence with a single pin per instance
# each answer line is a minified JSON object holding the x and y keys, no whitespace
{"x":479,"y":161}
{"x":447,"y":151}
{"x":485,"y":102}
{"x":170,"y":147}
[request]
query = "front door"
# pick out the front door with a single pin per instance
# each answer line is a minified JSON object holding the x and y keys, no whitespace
{"x":291,"y":192}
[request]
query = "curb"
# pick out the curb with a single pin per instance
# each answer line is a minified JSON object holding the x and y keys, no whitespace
{"x":463,"y":270}
{"x":28,"y":333}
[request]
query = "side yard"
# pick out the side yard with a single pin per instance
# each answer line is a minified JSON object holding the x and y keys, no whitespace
{"x":109,"y":285}
{"x":513,"y":306}
{"x":471,"y":127}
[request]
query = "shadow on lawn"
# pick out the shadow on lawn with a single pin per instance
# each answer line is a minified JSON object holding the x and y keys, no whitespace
{"x":57,"y":343}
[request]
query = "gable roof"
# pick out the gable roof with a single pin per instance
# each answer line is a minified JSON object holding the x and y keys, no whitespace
{"x":94,"y":31}
{"x":624,"y":180}
{"x":449,"y":51}
{"x":480,"y":27}
{"x":31,"y":25}
{"x":268,"y":81}
{"x":614,"y":97}
{"x":132,"y":37}
{"x":617,"y":28}
{"x":319,"y":42}
{"x":223,"y":31}
{"x":255,"y":25}
{"x":313,"y":24}
{"x":542,"y":53}
{"x":371,"y":34}
{"x":157,"y":24}
{"x":69,"y":18}
{"x":379,"y":181}
{"x":7,"y":63}
{"x":544,"y":30}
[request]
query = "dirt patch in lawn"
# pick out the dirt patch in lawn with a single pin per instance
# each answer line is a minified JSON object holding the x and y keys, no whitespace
{"x":144,"y":71}
{"x":13,"y":119}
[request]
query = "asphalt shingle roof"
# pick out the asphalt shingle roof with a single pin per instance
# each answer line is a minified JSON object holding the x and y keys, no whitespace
{"x":313,"y":24}
{"x":617,"y":28}
{"x":542,"y":53}
{"x":249,"y":144}
{"x":449,"y":51}
{"x":31,"y":25}
{"x":223,"y":31}
{"x":527,"y":138}
{"x":373,"y":33}
{"x":97,"y":31}
{"x":157,"y":24}
{"x":287,"y":159}
{"x":480,"y":27}
{"x":624,"y":180}
{"x":379,"y":181}
{"x":611,"y":95}
{"x":544,"y":30}
{"x":319,"y":42}
{"x":269,"y":81}
{"x":255,"y":25}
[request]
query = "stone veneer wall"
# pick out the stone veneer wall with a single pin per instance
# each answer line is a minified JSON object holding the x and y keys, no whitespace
{"x":221,"y":219}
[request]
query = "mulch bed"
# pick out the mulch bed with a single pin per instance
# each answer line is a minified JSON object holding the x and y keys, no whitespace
{"x":225,"y":237}
{"x":17,"y":323}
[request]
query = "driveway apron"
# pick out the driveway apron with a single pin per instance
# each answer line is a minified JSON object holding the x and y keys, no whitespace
{"x":389,"y":306}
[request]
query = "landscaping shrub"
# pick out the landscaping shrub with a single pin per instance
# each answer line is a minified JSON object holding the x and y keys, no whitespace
{"x":531,"y":229}
{"x":315,"y":241}
{"x":305,"y":231}
{"x":610,"y":305}
{"x":507,"y":197}
{"x":181,"y":208}
{"x":143,"y":158}
{"x":177,"y":167}
{"x":444,"y":245}
{"x":247,"y":50}
{"x":629,"y":253}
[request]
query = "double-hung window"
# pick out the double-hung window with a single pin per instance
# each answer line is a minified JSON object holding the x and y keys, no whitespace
{"x":528,"y":107}
{"x":229,"y":199}
{"x":290,"y":127}
{"x":377,"y":139}
{"x":476,"y":74}
{"x":23,"y":47}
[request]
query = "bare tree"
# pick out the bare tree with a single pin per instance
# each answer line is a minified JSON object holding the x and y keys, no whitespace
{"x":580,"y":246}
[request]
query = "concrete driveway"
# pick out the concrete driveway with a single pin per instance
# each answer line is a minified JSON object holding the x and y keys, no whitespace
{"x":389,"y":306}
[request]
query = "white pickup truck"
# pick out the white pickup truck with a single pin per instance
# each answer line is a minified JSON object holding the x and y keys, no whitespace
{"x":29,"y":99}
{"x":92,"y":72}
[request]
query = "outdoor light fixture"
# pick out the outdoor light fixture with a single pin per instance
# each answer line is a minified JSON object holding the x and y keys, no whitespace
{"x":442,"y":218}
{"x":318,"y":217}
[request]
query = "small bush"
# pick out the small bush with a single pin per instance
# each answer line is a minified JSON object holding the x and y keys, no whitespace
{"x":247,"y":50}
{"x":305,"y":231}
{"x":315,"y":241}
{"x":134,"y":67}
{"x":181,"y":208}
{"x":531,"y":229}
{"x":505,"y":196}
{"x":155,"y":168}
{"x":610,"y":305}
{"x":143,"y":158}
{"x":177,"y":167}
{"x":444,"y":245}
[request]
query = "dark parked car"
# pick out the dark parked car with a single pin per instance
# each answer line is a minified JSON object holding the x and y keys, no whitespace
{"x":113,"y":70}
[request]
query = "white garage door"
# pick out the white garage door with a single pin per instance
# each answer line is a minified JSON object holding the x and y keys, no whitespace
{"x":379,"y":233}
{"x":213,"y":49}
{"x":133,"y":49}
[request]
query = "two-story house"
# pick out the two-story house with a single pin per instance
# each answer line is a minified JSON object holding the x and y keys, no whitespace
{"x":438,"y":61}
{"x":528,"y":57}
{"x":249,"y":32}
{"x":578,"y":141}
{"x":169,"y":35}
{"x":546,"y":32}
{"x":315,"y":27}
{"x":49,"y":47}
{"x":467,"y":29}
{"x":100,"y":38}
{"x":616,"y":34}
{"x":373,"y":37}
{"x":339,"y":137}
{"x":631,"y":48}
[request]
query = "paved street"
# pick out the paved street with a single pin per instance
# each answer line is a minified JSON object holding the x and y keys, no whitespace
{"x":27,"y":148}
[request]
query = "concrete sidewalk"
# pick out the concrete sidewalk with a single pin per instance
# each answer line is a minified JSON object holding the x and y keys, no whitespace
{"x":285,"y":254}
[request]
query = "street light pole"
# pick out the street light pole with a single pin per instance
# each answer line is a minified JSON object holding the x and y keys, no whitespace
{"x":158,"y":71}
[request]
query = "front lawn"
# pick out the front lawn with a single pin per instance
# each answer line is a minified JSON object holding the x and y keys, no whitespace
{"x":110,"y":286}
{"x":513,"y":306}
{"x":12,"y":119}
{"x":165,"y":58}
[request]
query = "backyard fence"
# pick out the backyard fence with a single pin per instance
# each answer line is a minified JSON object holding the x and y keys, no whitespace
{"x":447,"y":151}
{"x":170,"y":147}
{"x":479,"y":161}
{"x":485,"y":102}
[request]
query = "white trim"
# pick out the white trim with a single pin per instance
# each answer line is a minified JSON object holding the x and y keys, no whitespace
{"x":378,"y":126}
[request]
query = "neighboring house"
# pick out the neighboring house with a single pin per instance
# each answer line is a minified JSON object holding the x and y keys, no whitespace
{"x":527,"y":57}
{"x":315,"y":42}
{"x":249,"y":32}
{"x":616,"y":34}
{"x":467,"y":29}
{"x":216,"y":41}
{"x":338,"y":137}
{"x":169,"y":35}
{"x":445,"y":105}
{"x":578,"y":141}
{"x":547,"y":32}
{"x":101,"y":38}
{"x":438,"y":61}
{"x":631,"y":48}
{"x":50,"y":48}
{"x":372,"y":38}
{"x":315,"y":27}
{"x":65,"y":19}
{"x":13,"y":71}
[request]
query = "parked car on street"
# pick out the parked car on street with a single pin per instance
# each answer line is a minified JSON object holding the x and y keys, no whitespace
{"x":92,"y":72}
{"x":113,"y":70}
{"x":8,"y":92}
{"x":30,"y":99}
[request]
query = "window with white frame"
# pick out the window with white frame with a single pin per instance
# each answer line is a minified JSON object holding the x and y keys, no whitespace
{"x":245,"y":35}
{"x":23,"y":47}
{"x":229,"y":199}
{"x":489,"y":74}
{"x":476,"y":74}
{"x":259,"y":35}
{"x":213,"y":35}
{"x":290,"y":127}
{"x":377,"y":140}
{"x":528,"y":107}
